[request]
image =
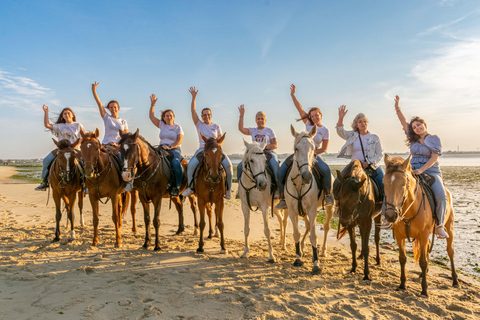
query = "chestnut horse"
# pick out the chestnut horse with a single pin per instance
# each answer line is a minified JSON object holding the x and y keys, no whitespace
{"x":65,"y":180}
{"x":149,"y":172}
{"x":357,"y":206}
{"x":410,"y":212}
{"x":210,"y":186}
{"x":103,"y":180}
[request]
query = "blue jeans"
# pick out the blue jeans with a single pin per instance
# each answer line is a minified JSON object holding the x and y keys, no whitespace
{"x":439,"y":191}
{"x":47,"y":161}
{"x":273,"y":163}
{"x":176,"y":165}
{"x":226,"y":163}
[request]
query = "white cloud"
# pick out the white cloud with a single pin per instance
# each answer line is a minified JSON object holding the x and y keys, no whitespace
{"x":21,"y":85}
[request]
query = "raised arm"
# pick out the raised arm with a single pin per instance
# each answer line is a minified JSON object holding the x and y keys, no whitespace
{"x":342,"y":111}
{"x":151,"y":114}
{"x":297,"y":104}
{"x":194,"y":93}
{"x":46,"y":121}
{"x":400,"y":115}
{"x":242,"y":129}
{"x":97,"y":99}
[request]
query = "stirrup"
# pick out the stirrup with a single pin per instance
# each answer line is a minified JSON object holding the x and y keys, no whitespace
{"x":440,"y":232}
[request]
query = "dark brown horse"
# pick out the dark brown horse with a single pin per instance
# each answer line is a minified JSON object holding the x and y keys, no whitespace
{"x":102,"y":180}
{"x":410,"y":212}
{"x":355,"y":195}
{"x":210,"y":186}
{"x":65,"y":180}
{"x":149,"y":172}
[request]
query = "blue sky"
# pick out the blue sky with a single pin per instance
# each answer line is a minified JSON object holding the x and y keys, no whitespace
{"x":357,"y":53}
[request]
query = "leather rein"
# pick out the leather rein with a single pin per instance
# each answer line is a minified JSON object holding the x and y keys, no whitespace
{"x":252,"y":178}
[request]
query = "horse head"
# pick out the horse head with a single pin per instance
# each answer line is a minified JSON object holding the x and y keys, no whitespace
{"x":304,"y":152}
{"x":90,"y":149}
{"x":351,"y":194}
{"x":397,"y":186}
{"x":66,"y":158}
{"x":255,"y":162}
{"x":213,"y":157}
{"x":130,"y":154}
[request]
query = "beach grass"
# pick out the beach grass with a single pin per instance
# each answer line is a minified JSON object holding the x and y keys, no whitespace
{"x":27,"y":173}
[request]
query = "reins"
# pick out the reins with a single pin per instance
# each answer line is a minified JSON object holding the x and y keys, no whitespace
{"x":301,"y":211}
{"x":98,"y":175}
{"x":252,"y":177}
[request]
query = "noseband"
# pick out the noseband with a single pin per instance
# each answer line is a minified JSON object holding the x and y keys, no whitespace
{"x":252,"y":177}
{"x":398,"y":209}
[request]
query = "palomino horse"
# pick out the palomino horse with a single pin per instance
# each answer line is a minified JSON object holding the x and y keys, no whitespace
{"x":149,"y":172}
{"x":410,"y":212}
{"x":103,"y":180}
{"x":65,"y":180}
{"x":301,"y":195}
{"x":210,"y":186}
{"x":357,"y":206}
{"x":255,"y":190}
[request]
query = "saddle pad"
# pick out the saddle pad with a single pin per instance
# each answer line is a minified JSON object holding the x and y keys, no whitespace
{"x":376,"y":190}
{"x":426,"y":186}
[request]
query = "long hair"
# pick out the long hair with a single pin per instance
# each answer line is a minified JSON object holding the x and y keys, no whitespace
{"x":412,"y":137}
{"x":164,"y":112}
{"x":113,"y":101}
{"x":355,"y":120}
{"x":60,"y":116}
{"x":308,"y":115}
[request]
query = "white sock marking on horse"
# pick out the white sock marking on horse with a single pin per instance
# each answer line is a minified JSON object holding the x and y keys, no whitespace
{"x":125,"y":147}
{"x":67,"y":156}
{"x":214,"y":150}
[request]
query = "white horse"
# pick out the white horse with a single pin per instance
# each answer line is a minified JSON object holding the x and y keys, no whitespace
{"x":254,"y":189}
{"x":301,"y":192}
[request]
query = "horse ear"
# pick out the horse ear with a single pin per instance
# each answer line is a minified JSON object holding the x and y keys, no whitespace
{"x":136,"y":134}
{"x":313,"y":131}
{"x":339,"y":176}
{"x":82,"y":133}
{"x":121,"y":132}
{"x":203,"y":137}
{"x":360,"y":184}
{"x":387,"y":160}
{"x":97,"y":133}
{"x":406,"y":163}
{"x":293,"y":131}
{"x":245,"y":142}
{"x":76,"y":143}
{"x":55,"y":141}
{"x":220,"y":140}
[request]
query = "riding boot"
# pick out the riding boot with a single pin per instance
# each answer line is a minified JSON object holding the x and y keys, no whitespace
{"x":228,"y":194}
{"x":174,"y":191}
{"x":440,"y":232}
{"x":282,"y":205}
{"x":43,"y":186}
{"x":328,"y":197}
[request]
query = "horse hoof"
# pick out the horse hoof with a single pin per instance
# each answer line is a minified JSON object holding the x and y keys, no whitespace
{"x":157,"y":248}
{"x":145,"y":246}
{"x":367,"y":278}
{"x":316,"y":270}
{"x":117,"y":245}
{"x":456,"y":285}
{"x":323,"y":255}
{"x":209,"y":237}
{"x":200,"y":250}
{"x":424,"y":295}
{"x":223,"y":251}
{"x":401,"y":289}
{"x":56,"y":240}
{"x":271,"y":260}
{"x":298,"y":263}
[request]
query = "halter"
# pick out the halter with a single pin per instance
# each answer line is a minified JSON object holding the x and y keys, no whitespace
{"x":253,"y":178}
{"x":64,"y":177}
{"x":98,"y":174}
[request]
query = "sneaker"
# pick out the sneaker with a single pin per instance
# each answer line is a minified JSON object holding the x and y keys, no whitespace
{"x":441,"y":233}
{"x":42,"y":187}
{"x":329,"y":199}
{"x":228,"y":194}
{"x":385,"y":224}
{"x":85,"y":192}
{"x":128,"y":187}
{"x":282,"y":205}
{"x":276,"y":195}
{"x":174,"y":191}
{"x":187,"y":193}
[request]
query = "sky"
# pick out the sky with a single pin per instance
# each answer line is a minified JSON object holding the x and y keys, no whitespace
{"x":357,"y":53}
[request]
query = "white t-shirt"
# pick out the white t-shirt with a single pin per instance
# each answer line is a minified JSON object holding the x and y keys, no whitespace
{"x":169,"y":133}
{"x":112,"y":126}
{"x":209,"y":131}
{"x":67,"y":131}
{"x":322,"y":134}
{"x":357,"y":148}
{"x":260,"y":135}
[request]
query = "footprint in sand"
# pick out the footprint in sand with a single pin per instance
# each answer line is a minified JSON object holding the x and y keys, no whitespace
{"x":124,"y":303}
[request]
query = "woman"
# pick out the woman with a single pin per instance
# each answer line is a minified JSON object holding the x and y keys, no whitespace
{"x":321,"y":140}
{"x":65,"y":128}
{"x":260,"y":134}
{"x":171,"y":137}
{"x":426,"y":149}
{"x":209,"y":130}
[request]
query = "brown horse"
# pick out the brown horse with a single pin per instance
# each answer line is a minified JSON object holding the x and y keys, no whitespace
{"x":210,"y":186}
{"x":149,"y":173}
{"x":103,"y":180}
{"x":357,"y":206}
{"x":410,"y":212}
{"x":65,"y":180}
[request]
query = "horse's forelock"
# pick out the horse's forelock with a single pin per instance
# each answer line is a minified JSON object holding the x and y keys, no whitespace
{"x":395,"y":164}
{"x":252,"y":148}
{"x":211,"y":143}
{"x":63,"y":144}
{"x":301,"y":135}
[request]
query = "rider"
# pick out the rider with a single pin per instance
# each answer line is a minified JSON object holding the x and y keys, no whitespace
{"x":321,"y":140}
{"x":171,"y":136}
{"x":209,"y":130}
{"x":65,"y":128}
{"x":259,"y":134}
{"x":426,"y":149}
{"x":112,"y":125}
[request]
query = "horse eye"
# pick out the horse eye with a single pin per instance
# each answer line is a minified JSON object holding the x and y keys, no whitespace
{"x":251,"y":160}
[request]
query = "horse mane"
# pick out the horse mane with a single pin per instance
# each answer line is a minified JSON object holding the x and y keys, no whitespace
{"x":211,"y":143}
{"x":63,"y":144}
{"x":129,"y":135}
{"x":351,"y":178}
{"x":253,"y":148}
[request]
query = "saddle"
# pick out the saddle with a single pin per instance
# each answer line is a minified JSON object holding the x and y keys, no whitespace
{"x":426,"y":181}
{"x":378,"y":194}
{"x":316,"y":173}
{"x":164,"y":154}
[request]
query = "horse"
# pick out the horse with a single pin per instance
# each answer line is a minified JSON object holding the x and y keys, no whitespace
{"x":356,"y":203}
{"x":255,"y":190}
{"x":301,"y":195}
{"x":66,"y":181}
{"x":210,"y":187}
{"x":411,"y":216}
{"x":149,"y":172}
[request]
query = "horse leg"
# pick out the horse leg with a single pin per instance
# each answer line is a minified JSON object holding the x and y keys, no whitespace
{"x":450,"y":249}
{"x":246,"y":227}
{"x":126,"y":202}
{"x":313,"y":240}
{"x":133,"y":210}
{"x":80,"y":207}
{"x":266,"y":231}
{"x":219,"y":224}
{"x":208,"y":208}
{"x":282,"y":221}
{"x":307,"y":231}
{"x":326,"y":229}
{"x":71,"y":216}
{"x":365,"y":229}
{"x":378,"y":222}
{"x":179,"y":206}
{"x":146,"y":219}
{"x":402,"y":257}
{"x":116,"y":217}
{"x":353,"y":247}
{"x":201,"y":207}
{"x":58,"y":215}
{"x":424,"y":263}
{"x":193,"y":207}
{"x":94,"y":204}
{"x":296,"y":237}
{"x":156,"y":222}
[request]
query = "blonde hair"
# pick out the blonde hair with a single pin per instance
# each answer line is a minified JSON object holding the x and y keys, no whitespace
{"x":355,"y":120}
{"x":262,"y":113}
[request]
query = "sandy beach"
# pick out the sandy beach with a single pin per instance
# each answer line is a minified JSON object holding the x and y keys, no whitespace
{"x":73,"y":280}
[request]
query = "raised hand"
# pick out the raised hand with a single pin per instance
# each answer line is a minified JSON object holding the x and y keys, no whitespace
{"x":292,"y":90}
{"x":397,"y":100}
{"x":193,"y":92}
{"x":94,"y":86}
{"x":242,"y":110}
{"x":342,"y":111}
{"x":153,"y":101}
{"x":45,"y":108}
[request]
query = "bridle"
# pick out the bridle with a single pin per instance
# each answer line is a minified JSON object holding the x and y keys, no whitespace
{"x":360,"y":202}
{"x":398,"y":209}
{"x":65,"y":176}
{"x":252,"y":178}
